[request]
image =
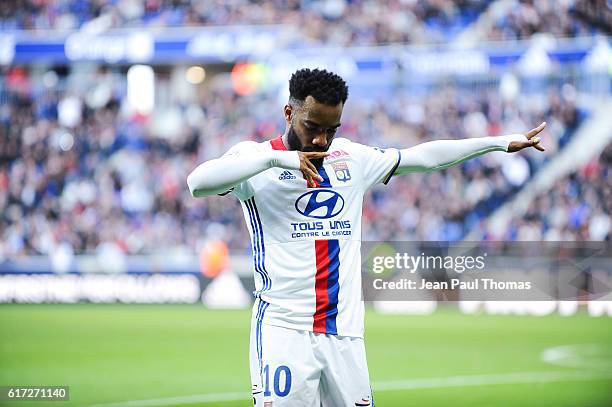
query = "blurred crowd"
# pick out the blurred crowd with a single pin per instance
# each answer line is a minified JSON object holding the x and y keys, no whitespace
{"x":561,"y":18}
{"x":81,"y":171}
{"x":577,"y":207}
{"x":447,"y":205}
{"x":333,"y":22}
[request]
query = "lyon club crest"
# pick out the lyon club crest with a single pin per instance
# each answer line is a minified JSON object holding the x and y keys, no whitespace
{"x":342,"y":171}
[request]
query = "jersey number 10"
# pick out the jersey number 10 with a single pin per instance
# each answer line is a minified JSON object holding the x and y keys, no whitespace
{"x":277,"y":378}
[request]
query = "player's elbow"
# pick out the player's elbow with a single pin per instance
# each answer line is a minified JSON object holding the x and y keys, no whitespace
{"x":192,"y":189}
{"x":195,"y":189}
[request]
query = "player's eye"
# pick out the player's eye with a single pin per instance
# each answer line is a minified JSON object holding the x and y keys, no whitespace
{"x":314,"y":130}
{"x":318,"y":130}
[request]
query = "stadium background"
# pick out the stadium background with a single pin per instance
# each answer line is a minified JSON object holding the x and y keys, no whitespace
{"x":105,"y":107}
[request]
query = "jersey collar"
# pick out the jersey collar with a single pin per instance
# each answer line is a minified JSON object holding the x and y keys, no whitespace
{"x":277,"y":144}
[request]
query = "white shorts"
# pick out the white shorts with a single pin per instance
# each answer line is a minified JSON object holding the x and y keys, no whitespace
{"x":306,"y":369}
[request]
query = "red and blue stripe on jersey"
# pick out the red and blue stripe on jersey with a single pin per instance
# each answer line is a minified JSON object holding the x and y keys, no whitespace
{"x":327,"y":254}
{"x":326,"y":286}
{"x":326,"y":279}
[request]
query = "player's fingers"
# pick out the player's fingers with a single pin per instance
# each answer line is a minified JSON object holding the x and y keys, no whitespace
{"x":535,"y":143}
{"x":306,"y":176}
{"x":314,"y":170}
{"x":535,"y":131}
{"x":310,"y":175}
{"x":316,"y":154}
{"x":315,"y":175}
{"x":311,"y":167}
{"x":311,"y":182}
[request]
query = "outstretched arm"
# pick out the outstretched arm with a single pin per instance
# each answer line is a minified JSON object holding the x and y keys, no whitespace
{"x":440,"y":154}
{"x":222,"y":174}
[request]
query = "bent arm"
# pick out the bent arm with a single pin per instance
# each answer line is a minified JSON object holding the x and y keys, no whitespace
{"x":223,"y":173}
{"x":440,"y":154}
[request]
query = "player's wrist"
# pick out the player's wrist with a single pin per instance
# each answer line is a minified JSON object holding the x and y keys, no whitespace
{"x":289,"y":160}
{"x":507,"y":139}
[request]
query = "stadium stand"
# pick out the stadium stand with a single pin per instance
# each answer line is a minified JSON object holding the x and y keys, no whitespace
{"x":329,"y":22}
{"x":558,"y":18}
{"x":576,"y":208}
{"x":76,"y":168}
{"x":82,"y":169}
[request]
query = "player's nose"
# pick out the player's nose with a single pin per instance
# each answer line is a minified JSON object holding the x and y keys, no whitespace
{"x":320,"y":140}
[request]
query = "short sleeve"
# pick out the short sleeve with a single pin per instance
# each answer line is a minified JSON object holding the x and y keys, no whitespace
{"x":244,"y":190}
{"x":379,"y":164}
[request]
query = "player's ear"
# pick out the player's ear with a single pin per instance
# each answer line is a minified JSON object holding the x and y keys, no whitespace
{"x":288,"y":111}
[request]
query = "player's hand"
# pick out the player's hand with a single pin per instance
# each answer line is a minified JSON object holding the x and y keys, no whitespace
{"x":531,"y":140}
{"x":307,"y":167}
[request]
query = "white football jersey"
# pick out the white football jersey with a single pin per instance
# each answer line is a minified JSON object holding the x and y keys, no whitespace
{"x":307,"y":241}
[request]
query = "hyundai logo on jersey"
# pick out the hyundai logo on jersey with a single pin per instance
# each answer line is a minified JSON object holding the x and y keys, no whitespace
{"x":320,"y":204}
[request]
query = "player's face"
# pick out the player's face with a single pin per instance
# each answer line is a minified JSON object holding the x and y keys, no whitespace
{"x":312,"y":126}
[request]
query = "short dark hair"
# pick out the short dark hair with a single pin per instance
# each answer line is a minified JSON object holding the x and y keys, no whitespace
{"x":326,"y":87}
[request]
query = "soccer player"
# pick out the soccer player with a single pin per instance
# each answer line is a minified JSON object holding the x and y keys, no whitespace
{"x":302,"y":195}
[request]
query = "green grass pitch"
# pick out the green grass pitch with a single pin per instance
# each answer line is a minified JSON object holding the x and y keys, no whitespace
{"x":118,"y":353}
